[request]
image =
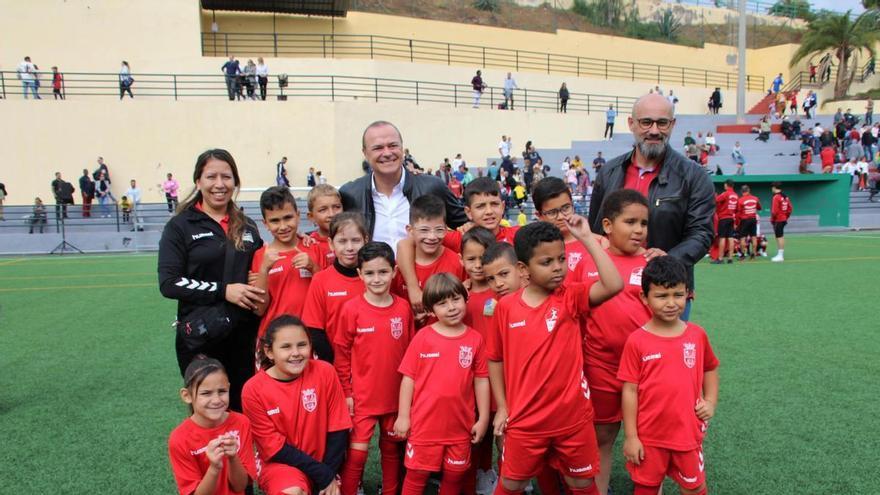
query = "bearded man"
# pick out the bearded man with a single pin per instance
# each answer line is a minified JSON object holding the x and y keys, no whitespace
{"x":680,"y":195}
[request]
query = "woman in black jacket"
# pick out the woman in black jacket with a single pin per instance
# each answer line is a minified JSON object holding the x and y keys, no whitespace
{"x":563,"y":99}
{"x":192,"y":254}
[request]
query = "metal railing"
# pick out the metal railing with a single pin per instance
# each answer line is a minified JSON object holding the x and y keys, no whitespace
{"x":386,"y":47}
{"x":325,"y":87}
{"x":802,"y":78}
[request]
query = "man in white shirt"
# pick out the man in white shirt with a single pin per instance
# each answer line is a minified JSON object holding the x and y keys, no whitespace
{"x":27,"y":73}
{"x":504,"y":147}
{"x":509,"y":86}
{"x":134,"y":195}
{"x":672,"y":99}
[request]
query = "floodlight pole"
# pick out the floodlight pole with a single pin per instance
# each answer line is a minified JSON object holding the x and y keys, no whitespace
{"x":741,"y":72}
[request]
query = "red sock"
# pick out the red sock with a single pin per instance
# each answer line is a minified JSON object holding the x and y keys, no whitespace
{"x":352,"y":471}
{"x":450,"y":483}
{"x":548,"y":481}
{"x":645,"y":490}
{"x":469,"y":483}
{"x":590,"y":490}
{"x":501,"y":490}
{"x":391,"y":465}
{"x":414,"y":482}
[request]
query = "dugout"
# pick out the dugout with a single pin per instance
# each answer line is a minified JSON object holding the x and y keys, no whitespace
{"x":822,"y":195}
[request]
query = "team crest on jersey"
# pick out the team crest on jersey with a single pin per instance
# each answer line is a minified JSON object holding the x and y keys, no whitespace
{"x":550,"y":321}
{"x":690,"y":354}
{"x":465,"y":356}
{"x":234,"y":434}
{"x":574,"y":259}
{"x":310,"y":399}
{"x":635,"y":278}
{"x":396,"y":327}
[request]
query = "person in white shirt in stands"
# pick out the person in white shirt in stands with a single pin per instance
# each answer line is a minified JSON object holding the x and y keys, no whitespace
{"x":509,"y":86}
{"x":27,"y":73}
{"x":134,"y":195}
{"x":672,"y":99}
{"x":262,"y":77}
{"x":504,"y":147}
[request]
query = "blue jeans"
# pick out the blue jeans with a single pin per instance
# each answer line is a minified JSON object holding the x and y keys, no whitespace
{"x":105,"y":205}
{"x":30,"y":84}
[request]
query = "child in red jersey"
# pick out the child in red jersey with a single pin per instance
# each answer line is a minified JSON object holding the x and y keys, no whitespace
{"x":285,"y":266}
{"x":445,"y":380}
{"x":324,"y":202}
{"x":212,"y":451}
{"x":336,"y":284}
{"x":483,"y":207}
{"x":747,"y":212}
{"x":670,"y":387}
{"x":373,"y":333}
{"x":608,"y":325}
{"x":553,"y":204}
{"x":536,"y":362}
{"x":297,"y":408}
{"x":502,"y":273}
{"x":426,"y":230}
{"x":725,"y":207}
{"x":780,"y":210}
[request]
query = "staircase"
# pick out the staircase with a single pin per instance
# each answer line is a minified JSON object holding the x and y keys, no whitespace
{"x":763,"y":106}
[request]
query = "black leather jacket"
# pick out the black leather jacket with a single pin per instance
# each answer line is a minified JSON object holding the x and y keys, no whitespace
{"x":357,"y":195}
{"x":681,"y":204}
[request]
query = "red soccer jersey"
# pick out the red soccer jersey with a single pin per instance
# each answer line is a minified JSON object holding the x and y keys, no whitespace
{"x":726,"y":204}
{"x":447,"y":262}
{"x":610,"y":323}
{"x":575,"y":252}
{"x":370,"y":343}
{"x":189,"y":463}
{"x":827,"y":156}
{"x":504,"y":234}
{"x":444,"y":369}
{"x":327,"y":293}
{"x":669,"y":374}
{"x":322,"y":245}
{"x":748,"y":207}
{"x":480,"y":308}
{"x":300,"y":412}
{"x":638,"y":179}
{"x":286,"y":283}
{"x":780,"y":209}
{"x":547,"y":393}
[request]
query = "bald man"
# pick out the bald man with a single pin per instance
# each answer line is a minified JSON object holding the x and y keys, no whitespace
{"x":680,"y":194}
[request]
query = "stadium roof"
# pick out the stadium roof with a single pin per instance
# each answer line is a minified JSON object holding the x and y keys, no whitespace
{"x":330,"y":8}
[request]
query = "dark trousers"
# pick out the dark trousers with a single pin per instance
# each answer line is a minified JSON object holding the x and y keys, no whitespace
{"x":172,"y":202}
{"x":58,"y":94}
{"x":232,"y":86}
{"x":235,"y":352}
{"x":87,"y":205}
{"x":264,"y":81}
{"x":563,"y":105}
{"x":61,"y":208}
{"x":123,"y":88}
{"x":609,"y":129}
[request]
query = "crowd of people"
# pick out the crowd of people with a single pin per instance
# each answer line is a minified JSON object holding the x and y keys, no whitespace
{"x":243,"y":82}
{"x":31,"y":80}
{"x":414,"y":311}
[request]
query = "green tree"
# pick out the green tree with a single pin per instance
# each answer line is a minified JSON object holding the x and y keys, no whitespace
{"x":668,"y":25}
{"x":799,"y":9}
{"x":487,"y":5}
{"x":871,"y":4}
{"x":845,"y":38}
{"x":608,"y":13}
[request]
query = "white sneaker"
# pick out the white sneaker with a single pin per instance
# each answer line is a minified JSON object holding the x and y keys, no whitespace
{"x":486,"y":481}
{"x":777,"y":259}
{"x":360,"y":489}
{"x":764,"y":254}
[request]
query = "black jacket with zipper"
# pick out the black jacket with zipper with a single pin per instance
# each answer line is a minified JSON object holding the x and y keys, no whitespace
{"x":357,"y":195}
{"x":681,"y":203}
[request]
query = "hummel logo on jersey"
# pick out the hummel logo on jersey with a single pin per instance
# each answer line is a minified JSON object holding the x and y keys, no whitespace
{"x":427,"y":355}
{"x":580,"y":469}
{"x":203,"y":234}
{"x":701,"y":461}
{"x":247,"y":237}
{"x":592,"y":274}
{"x":366,"y":330}
{"x":410,"y":451}
{"x":340,"y":293}
{"x":651,"y":357}
{"x":199,"y":451}
{"x":690,"y":354}
{"x":272,"y":412}
{"x":518,"y":324}
{"x":276,"y":270}
{"x":456,"y":462}
{"x":686,"y":479}
{"x":550,"y":321}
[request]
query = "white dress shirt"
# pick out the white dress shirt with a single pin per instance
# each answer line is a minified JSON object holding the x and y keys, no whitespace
{"x":392,"y":214}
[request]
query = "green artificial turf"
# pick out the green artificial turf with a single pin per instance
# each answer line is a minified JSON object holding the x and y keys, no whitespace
{"x":88,"y":377}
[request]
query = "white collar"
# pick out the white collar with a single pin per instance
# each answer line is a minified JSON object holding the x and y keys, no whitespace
{"x":395,"y":189}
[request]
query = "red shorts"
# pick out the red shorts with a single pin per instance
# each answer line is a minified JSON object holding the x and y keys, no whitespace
{"x":435,"y":458}
{"x":275,"y":477}
{"x":685,"y":468}
{"x":575,"y":454}
{"x":363,"y":427}
{"x":606,"y":407}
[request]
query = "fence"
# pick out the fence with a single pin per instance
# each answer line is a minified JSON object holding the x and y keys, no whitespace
{"x":324,"y":87}
{"x":386,"y":47}
{"x":802,"y":79}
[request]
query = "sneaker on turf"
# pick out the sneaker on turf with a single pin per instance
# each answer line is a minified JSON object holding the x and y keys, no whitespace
{"x":716,"y":262}
{"x":777,"y":259}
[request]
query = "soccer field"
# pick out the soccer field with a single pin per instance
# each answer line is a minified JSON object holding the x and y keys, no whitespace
{"x":88,"y":377}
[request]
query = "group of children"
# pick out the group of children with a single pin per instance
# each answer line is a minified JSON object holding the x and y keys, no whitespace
{"x":544,"y":338}
{"x":737,"y":224}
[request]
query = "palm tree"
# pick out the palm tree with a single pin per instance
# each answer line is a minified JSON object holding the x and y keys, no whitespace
{"x":843,"y":37}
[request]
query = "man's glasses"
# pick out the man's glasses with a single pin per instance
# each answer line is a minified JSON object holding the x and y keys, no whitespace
{"x":662,"y":124}
{"x":553,"y":214}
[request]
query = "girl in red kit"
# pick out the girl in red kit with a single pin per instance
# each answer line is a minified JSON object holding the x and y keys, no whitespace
{"x":373,"y":333}
{"x":445,"y":379}
{"x":332,"y":287}
{"x":297,"y":409}
{"x":211,"y":451}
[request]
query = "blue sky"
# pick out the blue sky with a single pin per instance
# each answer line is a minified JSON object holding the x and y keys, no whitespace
{"x":838,"y":5}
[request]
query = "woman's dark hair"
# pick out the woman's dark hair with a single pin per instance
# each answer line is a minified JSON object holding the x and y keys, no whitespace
{"x":236,"y":216}
{"x":268,"y":338}
{"x":614,"y":203}
{"x":200,"y":368}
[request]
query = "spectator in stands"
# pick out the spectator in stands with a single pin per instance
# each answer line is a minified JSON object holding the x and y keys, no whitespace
{"x":854,"y":150}
{"x":63,"y":192}
{"x":87,"y":190}
{"x":262,"y":77}
{"x":563,"y":98}
{"x":38,"y":217}
{"x":384,"y":195}
{"x":689,"y":139}
{"x":862,"y":173}
{"x":170,"y":188}
{"x":672,"y":100}
{"x":610,"y":115}
{"x":849,"y":118}
{"x":764,"y":129}
{"x":467,"y":176}
{"x":715,"y":101}
{"x":102,"y":191}
{"x":281,"y":173}
{"x":457,"y":162}
{"x":598,"y":163}
{"x":320,"y":177}
{"x":693,"y":152}
{"x":584,"y":186}
{"x":777,"y":83}
{"x":793,"y":105}
{"x":827,"y":156}
{"x":310,"y":177}
{"x":509,"y":86}
{"x":134,"y":194}
{"x":806,"y":154}
{"x":869,"y":112}
{"x":57,"y":83}
{"x":504,"y":147}
{"x":812,"y":72}
{"x":786,"y":128}
{"x":478,"y":86}
{"x":809,"y":101}
{"x":739,"y":159}
{"x":125,"y":80}
{"x":680,"y":227}
{"x":711,"y":143}
{"x":492,"y":171}
{"x":27,"y":74}
{"x":455,"y":186}
{"x":250,"y":79}
{"x":868,"y":142}
{"x":410,"y":162}
{"x":838,"y":116}
{"x":577,"y":163}
{"x":3,"y":195}
{"x":231,"y":70}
